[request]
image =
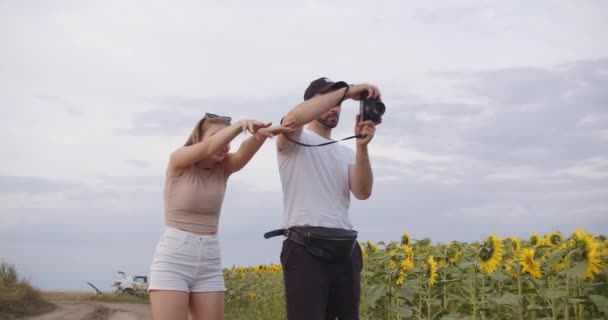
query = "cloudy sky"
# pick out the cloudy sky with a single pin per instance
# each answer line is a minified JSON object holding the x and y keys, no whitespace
{"x":497,"y":119}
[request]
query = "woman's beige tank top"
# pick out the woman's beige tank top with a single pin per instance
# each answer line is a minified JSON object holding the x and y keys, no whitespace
{"x":193,"y":201}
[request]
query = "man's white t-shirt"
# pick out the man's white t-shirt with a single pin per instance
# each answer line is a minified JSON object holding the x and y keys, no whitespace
{"x":315,"y":183}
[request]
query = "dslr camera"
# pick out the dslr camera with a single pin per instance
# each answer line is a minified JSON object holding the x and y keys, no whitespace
{"x":370,"y":109}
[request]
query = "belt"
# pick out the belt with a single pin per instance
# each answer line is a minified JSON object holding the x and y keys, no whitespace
{"x":289,"y":233}
{"x":275,"y":233}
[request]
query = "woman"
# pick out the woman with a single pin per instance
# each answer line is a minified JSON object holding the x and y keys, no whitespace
{"x":186,"y":273}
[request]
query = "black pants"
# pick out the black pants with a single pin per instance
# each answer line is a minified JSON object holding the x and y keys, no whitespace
{"x":317,"y":290}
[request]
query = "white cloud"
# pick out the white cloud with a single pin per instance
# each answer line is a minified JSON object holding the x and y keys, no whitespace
{"x":595,"y":168}
{"x":515,"y":173}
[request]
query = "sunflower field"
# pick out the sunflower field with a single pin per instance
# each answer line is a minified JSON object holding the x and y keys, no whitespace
{"x":543,"y":277}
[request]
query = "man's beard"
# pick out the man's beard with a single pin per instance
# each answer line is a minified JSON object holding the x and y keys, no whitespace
{"x":329,"y":124}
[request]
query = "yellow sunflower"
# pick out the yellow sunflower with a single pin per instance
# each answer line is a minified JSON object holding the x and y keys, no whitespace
{"x":363,"y":247}
{"x":590,"y":252}
{"x":276,"y":268}
{"x":405,"y":239}
{"x":393,"y":264}
{"x":512,"y":245}
{"x":559,"y":266}
{"x":371,"y":247}
{"x":554,"y":239}
{"x":400,"y":279}
{"x":528,"y":265}
{"x":453,"y":252}
{"x":516,"y":243}
{"x":455,"y":257}
{"x":432,"y":271}
{"x":441,"y":262}
{"x":509,"y":268}
{"x":408,"y":260}
{"x":406,"y":264}
{"x":579,"y":234}
{"x":490,"y":254}
{"x":260,"y":268}
{"x":604,"y":250}
{"x":535,"y":240}
{"x":364,"y":253}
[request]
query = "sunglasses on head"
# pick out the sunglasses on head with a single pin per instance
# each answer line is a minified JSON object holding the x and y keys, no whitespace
{"x":212,"y":115}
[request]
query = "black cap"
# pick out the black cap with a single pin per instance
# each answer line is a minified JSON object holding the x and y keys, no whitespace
{"x":322,"y":85}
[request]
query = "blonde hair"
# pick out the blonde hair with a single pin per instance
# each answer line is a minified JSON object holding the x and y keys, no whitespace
{"x":199,"y":130}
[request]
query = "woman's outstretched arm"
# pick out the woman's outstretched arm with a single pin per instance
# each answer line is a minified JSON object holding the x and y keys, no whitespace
{"x":236,"y":161}
{"x":189,"y":155}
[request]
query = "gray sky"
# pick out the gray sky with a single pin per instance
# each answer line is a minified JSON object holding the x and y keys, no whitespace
{"x":497,"y":119}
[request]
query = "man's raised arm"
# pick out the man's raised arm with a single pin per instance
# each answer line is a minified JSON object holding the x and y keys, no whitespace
{"x":313,"y":107}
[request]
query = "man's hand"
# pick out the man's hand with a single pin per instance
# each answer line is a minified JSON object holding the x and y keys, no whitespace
{"x":354,"y":92}
{"x":367,"y":129}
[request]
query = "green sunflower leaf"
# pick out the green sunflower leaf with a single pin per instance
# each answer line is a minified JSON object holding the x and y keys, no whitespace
{"x":552,"y":293}
{"x":404,"y":311}
{"x":555,"y":257}
{"x":532,"y":307}
{"x":497,"y":276}
{"x":465,"y":265}
{"x":405,"y":292}
{"x":507,"y":299}
{"x":578,"y":270}
{"x":376,"y":292}
{"x":452,"y":317}
{"x":600,"y":302}
{"x":576,"y":300}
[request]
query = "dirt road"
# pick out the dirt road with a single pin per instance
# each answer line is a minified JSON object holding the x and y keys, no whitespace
{"x":94,"y":310}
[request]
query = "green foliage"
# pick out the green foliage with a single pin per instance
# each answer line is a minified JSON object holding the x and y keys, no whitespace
{"x":394,"y":289}
{"x":255,"y":293}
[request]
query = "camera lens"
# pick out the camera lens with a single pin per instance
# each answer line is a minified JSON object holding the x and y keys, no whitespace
{"x":377,"y":108}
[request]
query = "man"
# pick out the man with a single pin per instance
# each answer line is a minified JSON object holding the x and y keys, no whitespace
{"x":317,"y":182}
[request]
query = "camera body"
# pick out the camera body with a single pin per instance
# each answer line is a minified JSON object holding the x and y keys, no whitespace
{"x":370,"y":109}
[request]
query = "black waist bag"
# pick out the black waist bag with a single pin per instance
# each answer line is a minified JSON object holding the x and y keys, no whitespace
{"x":328,"y":244}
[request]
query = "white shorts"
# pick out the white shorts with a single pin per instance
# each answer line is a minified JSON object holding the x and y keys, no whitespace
{"x":185,"y":261}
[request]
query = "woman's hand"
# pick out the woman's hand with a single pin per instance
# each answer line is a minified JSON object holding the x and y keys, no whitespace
{"x":252,"y":125}
{"x":269,"y":132}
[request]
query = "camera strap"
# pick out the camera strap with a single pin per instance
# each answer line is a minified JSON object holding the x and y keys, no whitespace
{"x":322,"y":144}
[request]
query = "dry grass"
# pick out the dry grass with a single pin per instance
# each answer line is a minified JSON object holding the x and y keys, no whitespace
{"x":17,"y":297}
{"x":68,"y":295}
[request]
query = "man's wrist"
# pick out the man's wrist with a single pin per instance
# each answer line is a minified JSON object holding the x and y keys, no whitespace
{"x":362,"y":148}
